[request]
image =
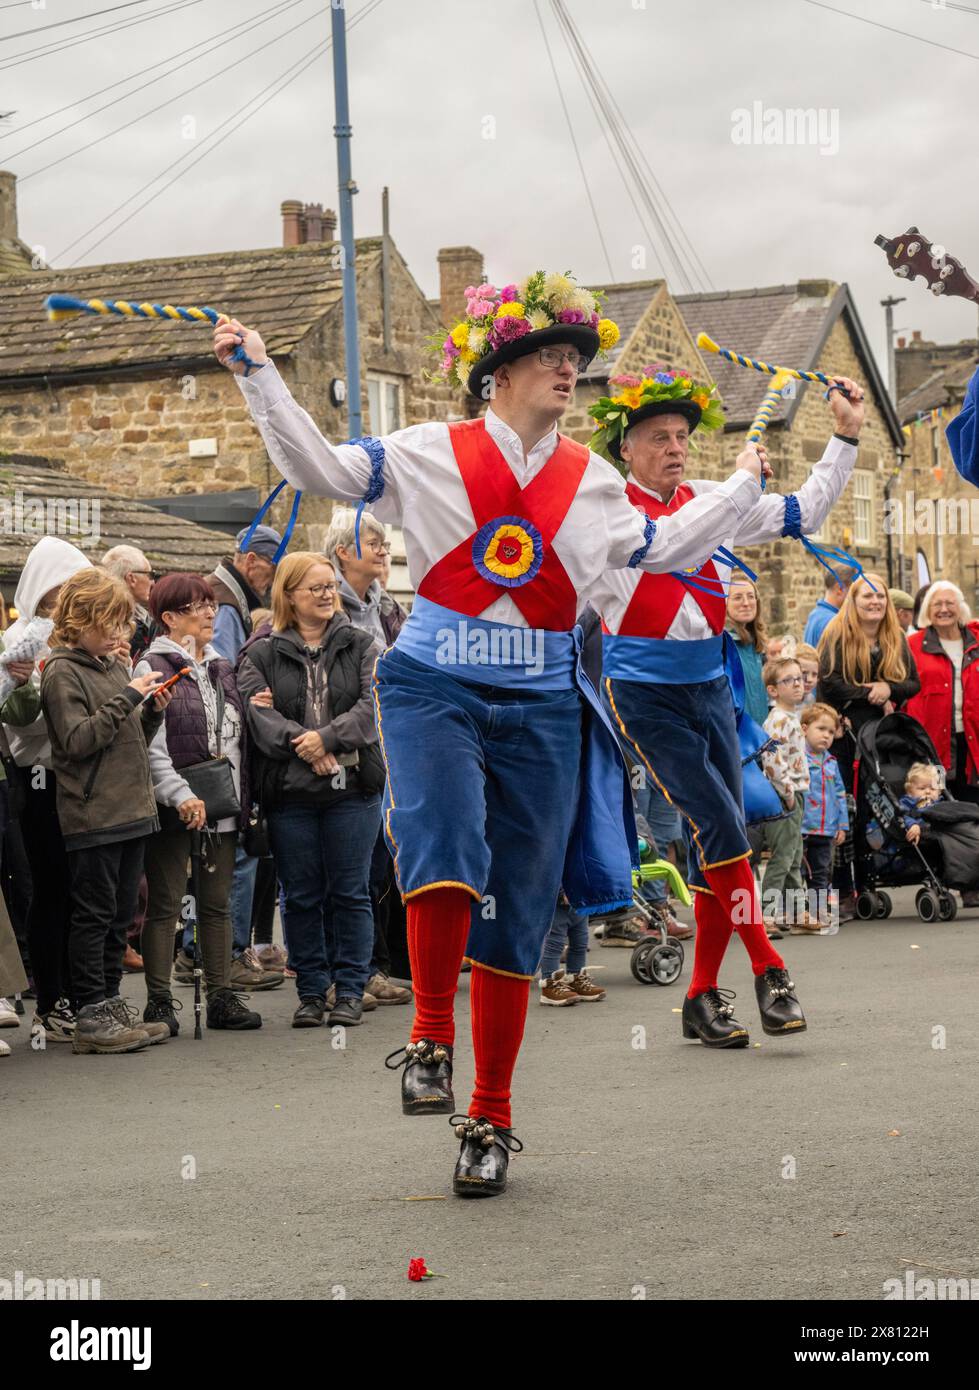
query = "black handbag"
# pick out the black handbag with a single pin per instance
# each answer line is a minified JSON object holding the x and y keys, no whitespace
{"x":213,"y":781}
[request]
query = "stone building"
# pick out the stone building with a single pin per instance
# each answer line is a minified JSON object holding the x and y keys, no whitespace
{"x":934,"y":511}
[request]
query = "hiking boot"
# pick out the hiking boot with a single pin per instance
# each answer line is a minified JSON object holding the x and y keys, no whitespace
{"x":132,"y":961}
{"x":346,"y":1012}
{"x":183,"y":968}
{"x":585,"y":988}
{"x":622,"y":929}
{"x":274,"y":958}
{"x":226,"y":1010}
{"x":248,"y":977}
{"x":481,"y":1169}
{"x":126,"y":1014}
{"x":379,"y":987}
{"x":555,"y":990}
{"x":8,"y":1015}
{"x":368,"y":1002}
{"x":255,"y":962}
{"x":99,"y":1030}
{"x":674,"y":927}
{"x":58,"y":1024}
{"x":163,"y":1010}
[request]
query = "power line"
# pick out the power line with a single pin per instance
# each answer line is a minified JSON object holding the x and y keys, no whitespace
{"x":310,"y":59}
{"x":30,"y":54}
{"x":574,"y":142}
{"x":60,"y":23}
{"x":126,"y":95}
{"x":932,"y":43}
{"x":252,"y":23}
{"x":194,"y":87}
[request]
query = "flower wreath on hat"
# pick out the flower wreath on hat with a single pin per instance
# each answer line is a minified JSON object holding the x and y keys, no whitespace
{"x":653,"y":393}
{"x":498,"y":321}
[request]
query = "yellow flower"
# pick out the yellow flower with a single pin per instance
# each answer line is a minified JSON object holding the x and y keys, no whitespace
{"x":513,"y":310}
{"x":630,"y":397}
{"x":608,"y":334}
{"x":647,"y":381}
{"x":701,"y":398}
{"x":462,"y":371}
{"x":466,"y":354}
{"x":537,"y":318}
{"x":459,"y":334}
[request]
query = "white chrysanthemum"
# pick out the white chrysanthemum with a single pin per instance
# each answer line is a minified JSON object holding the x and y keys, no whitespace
{"x":537,"y":318}
{"x":583,"y":300}
{"x":462,"y":371}
{"x":559,"y":291}
{"x":477,"y":341}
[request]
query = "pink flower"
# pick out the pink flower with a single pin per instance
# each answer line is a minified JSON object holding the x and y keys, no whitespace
{"x":446,"y":365}
{"x":571,"y":316}
{"x":508,"y":294}
{"x":593,"y":321}
{"x":450,"y":349}
{"x":479,"y":308}
{"x":507,"y":330}
{"x":625,"y":381}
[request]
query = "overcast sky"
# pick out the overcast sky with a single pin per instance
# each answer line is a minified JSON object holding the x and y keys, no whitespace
{"x":430,"y":80}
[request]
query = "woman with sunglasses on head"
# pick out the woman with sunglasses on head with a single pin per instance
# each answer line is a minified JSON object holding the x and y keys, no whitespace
{"x":311,"y":716}
{"x":204,"y":720}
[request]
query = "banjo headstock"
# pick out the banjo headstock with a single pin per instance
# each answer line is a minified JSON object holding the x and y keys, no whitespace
{"x":912,"y":254}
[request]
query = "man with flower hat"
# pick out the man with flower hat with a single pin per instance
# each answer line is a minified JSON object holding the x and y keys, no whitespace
{"x":505,"y":781}
{"x":666,"y":661}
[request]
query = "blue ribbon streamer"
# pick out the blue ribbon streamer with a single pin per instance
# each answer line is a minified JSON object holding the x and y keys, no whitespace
{"x":792,"y":526}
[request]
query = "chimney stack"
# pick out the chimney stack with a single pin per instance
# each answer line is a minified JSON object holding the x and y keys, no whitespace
{"x":311,"y":223}
{"x":8,"y":206}
{"x":292,"y":213}
{"x":459,"y":267}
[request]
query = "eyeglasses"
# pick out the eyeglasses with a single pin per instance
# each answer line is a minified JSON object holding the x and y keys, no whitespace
{"x":792,"y":680}
{"x":380,"y":547}
{"x":146,"y":574}
{"x":204,"y":605}
{"x":553,"y":357}
{"x":317,"y":590}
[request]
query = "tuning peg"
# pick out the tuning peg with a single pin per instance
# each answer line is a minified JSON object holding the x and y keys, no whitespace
{"x":938,"y":287}
{"x":901,"y":271}
{"x":913,"y":248}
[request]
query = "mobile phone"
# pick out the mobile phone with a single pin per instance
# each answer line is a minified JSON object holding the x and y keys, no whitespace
{"x":171,"y":680}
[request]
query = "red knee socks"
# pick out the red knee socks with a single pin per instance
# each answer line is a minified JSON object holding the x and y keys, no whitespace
{"x":737,"y":893}
{"x":499,"y":1010}
{"x":438,"y":927}
{"x":714,"y":928}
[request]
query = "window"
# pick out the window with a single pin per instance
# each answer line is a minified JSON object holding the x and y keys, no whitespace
{"x":384,"y":404}
{"x":863,"y":506}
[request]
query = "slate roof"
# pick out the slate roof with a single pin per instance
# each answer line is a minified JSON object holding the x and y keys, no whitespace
{"x":945,"y":386}
{"x":286,"y":290}
{"x":624,"y":304}
{"x":169,"y":542}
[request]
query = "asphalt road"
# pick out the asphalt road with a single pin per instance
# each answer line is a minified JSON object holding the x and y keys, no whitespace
{"x":660,"y":1171}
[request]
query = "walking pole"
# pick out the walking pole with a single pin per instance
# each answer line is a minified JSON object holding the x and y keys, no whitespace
{"x":195,"y":893}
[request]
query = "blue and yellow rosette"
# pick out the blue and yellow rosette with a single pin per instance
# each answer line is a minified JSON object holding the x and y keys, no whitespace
{"x":508,"y":551}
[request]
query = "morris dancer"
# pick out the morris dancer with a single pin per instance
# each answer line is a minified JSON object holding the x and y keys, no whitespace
{"x":664,"y":669}
{"x":505,"y":781}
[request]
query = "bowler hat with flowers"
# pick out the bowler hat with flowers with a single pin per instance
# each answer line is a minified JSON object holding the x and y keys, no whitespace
{"x":503,"y":324}
{"x":659,"y":390}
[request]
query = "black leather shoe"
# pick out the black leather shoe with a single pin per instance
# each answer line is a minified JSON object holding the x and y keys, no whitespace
{"x":426,"y":1082}
{"x":486,"y":1149}
{"x":310,"y":1012}
{"x":346,"y":1011}
{"x":709,"y":1017}
{"x":781,"y":1011}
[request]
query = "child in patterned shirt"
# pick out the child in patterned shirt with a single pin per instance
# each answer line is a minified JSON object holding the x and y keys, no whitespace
{"x":787,"y":768}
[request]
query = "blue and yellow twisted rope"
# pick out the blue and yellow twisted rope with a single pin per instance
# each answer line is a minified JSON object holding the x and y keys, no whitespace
{"x":66,"y":306}
{"x":703,"y":341}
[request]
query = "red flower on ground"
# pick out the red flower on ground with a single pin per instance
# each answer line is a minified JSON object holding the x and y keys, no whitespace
{"x":417,"y":1271}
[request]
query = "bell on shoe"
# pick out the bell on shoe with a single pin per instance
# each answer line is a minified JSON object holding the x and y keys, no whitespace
{"x":585,"y":989}
{"x":710,"y":1017}
{"x":426,"y":1081}
{"x":481,"y":1169}
{"x":780,"y":1010}
{"x":556,"y":990}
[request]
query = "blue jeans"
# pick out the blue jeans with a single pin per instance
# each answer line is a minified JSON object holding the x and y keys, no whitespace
{"x":323,"y":856}
{"x":664,"y":826}
{"x":568,"y":928}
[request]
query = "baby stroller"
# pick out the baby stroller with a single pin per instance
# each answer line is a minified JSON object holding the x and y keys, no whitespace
{"x":946,"y":856}
{"x":657,"y":959}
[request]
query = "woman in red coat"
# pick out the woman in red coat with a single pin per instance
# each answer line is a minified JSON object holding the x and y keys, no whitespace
{"x":946,"y":653}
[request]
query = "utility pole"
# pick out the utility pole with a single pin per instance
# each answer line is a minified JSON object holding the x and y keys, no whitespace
{"x":347,"y":188}
{"x":888,"y":306}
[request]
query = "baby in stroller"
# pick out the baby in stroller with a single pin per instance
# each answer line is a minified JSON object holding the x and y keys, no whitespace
{"x":923,"y":786}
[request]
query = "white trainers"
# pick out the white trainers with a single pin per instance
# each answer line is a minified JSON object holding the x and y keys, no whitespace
{"x":8,"y":1015}
{"x":4,"y":1048}
{"x":57,"y":1025}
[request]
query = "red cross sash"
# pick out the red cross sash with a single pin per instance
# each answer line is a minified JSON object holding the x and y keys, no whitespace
{"x":657,"y":598}
{"x":510,"y":552}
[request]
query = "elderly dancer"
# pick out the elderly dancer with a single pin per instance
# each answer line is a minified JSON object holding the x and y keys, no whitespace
{"x":666,"y":677}
{"x":505,"y":782}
